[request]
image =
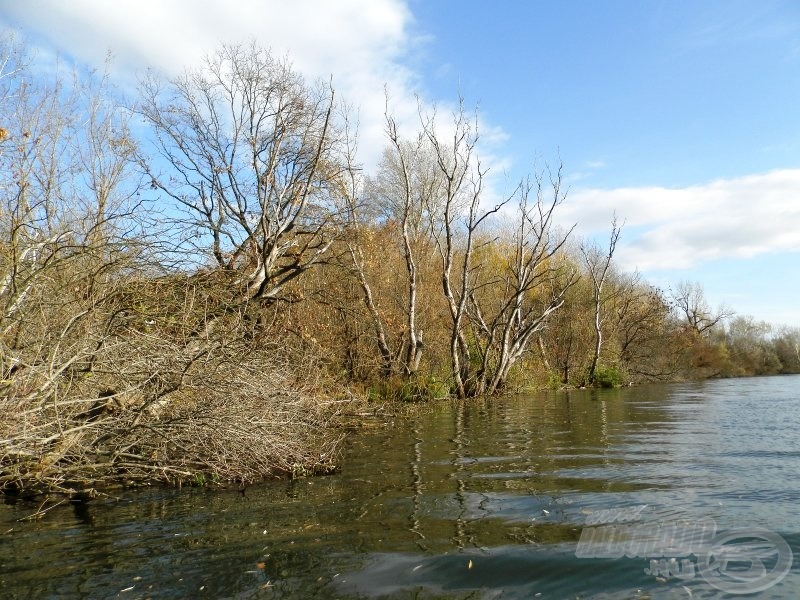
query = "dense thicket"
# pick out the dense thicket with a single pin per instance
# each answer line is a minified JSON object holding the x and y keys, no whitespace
{"x":190,"y":283}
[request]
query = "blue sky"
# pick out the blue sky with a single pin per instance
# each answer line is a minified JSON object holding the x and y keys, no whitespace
{"x":669,"y":92}
{"x":681,"y":116}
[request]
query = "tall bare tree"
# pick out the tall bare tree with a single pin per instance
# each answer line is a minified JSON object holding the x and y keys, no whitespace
{"x":598,"y":264}
{"x":409,"y":194}
{"x":494,"y":315}
{"x":250,"y":150}
{"x":407,"y":190}
{"x":513,"y":304}
{"x":459,"y":220}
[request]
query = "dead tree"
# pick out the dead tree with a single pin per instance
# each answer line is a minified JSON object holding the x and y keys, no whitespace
{"x":251,"y":151}
{"x":695,"y":310}
{"x":598,"y":264}
{"x":509,"y":309}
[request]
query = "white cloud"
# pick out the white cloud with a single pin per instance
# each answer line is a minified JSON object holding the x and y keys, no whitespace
{"x":347,"y":37}
{"x":361,"y":44}
{"x":587,"y":169}
{"x":683,"y":227}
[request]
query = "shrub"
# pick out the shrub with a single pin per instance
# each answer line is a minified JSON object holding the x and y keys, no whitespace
{"x":608,"y":376}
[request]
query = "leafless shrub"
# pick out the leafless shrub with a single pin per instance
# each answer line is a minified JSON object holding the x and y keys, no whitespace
{"x":137,"y":396}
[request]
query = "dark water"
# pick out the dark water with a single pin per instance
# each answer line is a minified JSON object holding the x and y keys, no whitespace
{"x":468,"y":500}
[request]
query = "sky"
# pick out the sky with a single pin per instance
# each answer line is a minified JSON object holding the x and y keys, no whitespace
{"x":679,"y":116}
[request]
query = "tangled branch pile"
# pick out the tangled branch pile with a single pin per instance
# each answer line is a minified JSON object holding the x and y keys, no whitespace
{"x":125,"y":393}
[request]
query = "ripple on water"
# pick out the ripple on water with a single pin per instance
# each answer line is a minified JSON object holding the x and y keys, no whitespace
{"x":479,"y":499}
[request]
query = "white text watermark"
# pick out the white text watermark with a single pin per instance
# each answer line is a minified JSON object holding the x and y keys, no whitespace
{"x":738,"y":561}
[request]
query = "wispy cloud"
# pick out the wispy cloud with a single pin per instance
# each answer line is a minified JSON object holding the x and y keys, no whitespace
{"x":759,"y":23}
{"x":683,"y":227}
{"x":586,"y":170}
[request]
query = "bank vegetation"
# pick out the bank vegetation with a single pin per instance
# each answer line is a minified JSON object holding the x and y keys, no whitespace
{"x":201,"y":284}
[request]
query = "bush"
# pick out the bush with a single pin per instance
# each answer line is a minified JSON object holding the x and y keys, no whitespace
{"x":608,"y":376}
{"x":418,"y":388}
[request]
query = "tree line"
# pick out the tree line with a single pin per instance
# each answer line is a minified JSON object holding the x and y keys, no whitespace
{"x":194,"y":282}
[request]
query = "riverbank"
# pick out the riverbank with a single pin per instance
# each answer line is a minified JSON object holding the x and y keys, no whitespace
{"x":246,"y":423}
{"x":228,"y":439}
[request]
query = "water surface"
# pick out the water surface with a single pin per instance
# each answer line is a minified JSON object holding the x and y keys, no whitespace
{"x":479,"y":499}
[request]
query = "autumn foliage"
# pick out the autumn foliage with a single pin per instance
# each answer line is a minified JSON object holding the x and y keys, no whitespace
{"x":196,"y":284}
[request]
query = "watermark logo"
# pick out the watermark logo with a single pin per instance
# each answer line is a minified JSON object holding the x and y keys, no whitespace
{"x":739,"y":561}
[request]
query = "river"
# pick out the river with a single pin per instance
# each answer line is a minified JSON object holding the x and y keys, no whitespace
{"x":518,"y":497}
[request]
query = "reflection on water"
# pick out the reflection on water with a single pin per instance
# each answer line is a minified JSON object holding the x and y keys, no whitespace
{"x":478,"y":499}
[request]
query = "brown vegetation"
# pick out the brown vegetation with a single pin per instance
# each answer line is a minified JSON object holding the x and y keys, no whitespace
{"x":192,"y":304}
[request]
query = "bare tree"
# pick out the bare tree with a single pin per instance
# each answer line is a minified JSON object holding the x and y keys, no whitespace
{"x":460,"y":218}
{"x":695,"y":310}
{"x":532,"y":285}
{"x":251,"y":151}
{"x":408,"y":203}
{"x":68,"y":203}
{"x":494,"y":315}
{"x":598,"y":264}
{"x":110,"y":371}
{"x":407,"y":189}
